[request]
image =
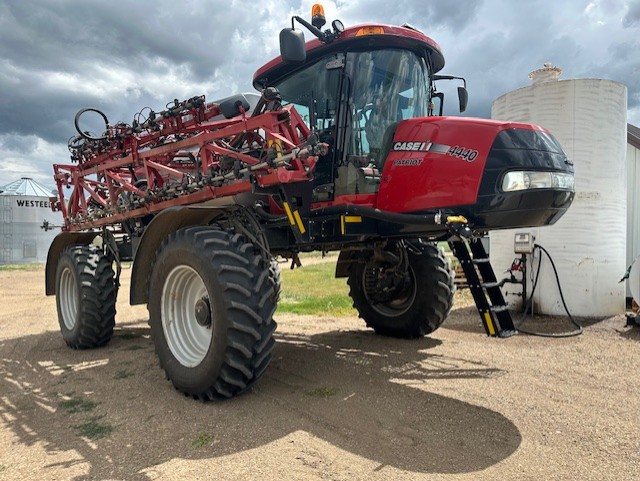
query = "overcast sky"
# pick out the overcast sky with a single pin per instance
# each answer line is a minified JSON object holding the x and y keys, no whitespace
{"x":57,"y":57}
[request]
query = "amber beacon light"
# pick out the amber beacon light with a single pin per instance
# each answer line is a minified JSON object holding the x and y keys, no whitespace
{"x":317,"y":16}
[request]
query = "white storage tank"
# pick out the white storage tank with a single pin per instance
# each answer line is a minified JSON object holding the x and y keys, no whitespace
{"x":588,"y":244}
{"x":633,"y":195}
{"x":24,"y":207}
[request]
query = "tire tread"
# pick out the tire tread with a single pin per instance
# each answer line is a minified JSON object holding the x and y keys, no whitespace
{"x":249,"y":302}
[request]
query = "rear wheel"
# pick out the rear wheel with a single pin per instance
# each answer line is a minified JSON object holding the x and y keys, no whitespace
{"x":406,"y":293}
{"x":211,"y":301}
{"x":85,"y":296}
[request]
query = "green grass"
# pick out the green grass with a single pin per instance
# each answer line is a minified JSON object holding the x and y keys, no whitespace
{"x":126,"y":335}
{"x":323,"y":392}
{"x":123,"y":374}
{"x":72,"y":406}
{"x":203,"y":439}
{"x":21,"y":267}
{"x":313,"y":290}
{"x":93,"y":429}
{"x":444,"y":246}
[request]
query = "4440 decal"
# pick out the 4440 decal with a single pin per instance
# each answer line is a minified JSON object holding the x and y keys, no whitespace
{"x":463,"y":153}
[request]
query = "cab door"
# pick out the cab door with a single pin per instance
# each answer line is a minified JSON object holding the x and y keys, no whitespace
{"x":314,"y":90}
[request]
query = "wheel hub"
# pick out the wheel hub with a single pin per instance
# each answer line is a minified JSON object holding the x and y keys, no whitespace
{"x":389,"y":290}
{"x":203,"y":312}
{"x":384,"y":285}
{"x":186,"y":315}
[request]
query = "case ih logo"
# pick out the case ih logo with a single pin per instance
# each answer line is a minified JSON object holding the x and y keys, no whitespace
{"x":411,"y":146}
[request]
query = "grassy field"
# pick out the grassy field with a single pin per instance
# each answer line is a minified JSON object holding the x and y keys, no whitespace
{"x":21,"y":267}
{"x":313,"y":290}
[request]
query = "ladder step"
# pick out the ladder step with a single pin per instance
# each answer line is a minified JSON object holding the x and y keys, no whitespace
{"x":501,"y":308}
{"x":484,"y":287}
{"x":482,"y":260}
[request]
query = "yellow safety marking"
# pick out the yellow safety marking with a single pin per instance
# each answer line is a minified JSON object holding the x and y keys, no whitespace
{"x":489,"y":321}
{"x":457,"y":218}
{"x":352,"y":219}
{"x":288,"y":211}
{"x":296,"y":214}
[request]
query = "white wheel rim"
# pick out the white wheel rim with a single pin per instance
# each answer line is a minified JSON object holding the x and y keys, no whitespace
{"x":188,"y":341}
{"x":68,"y":298}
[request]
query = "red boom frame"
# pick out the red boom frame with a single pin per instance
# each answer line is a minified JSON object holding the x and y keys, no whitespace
{"x":181,"y":156}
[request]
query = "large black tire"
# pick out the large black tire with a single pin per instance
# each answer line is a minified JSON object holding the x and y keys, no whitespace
{"x":275,"y":279}
{"x":420,"y":308}
{"x":211,"y":302}
{"x":85,"y":296}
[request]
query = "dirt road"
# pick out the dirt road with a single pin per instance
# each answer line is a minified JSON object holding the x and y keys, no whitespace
{"x":337,"y":403}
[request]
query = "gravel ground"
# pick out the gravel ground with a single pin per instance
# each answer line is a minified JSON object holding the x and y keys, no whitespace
{"x":337,"y":403}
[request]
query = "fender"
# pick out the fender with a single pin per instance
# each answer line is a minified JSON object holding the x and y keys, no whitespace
{"x":60,"y":243}
{"x":163,"y":224}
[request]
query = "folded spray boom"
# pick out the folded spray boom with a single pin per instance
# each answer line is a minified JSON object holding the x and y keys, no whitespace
{"x":191,"y":152}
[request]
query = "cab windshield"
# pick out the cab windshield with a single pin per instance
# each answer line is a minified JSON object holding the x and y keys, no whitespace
{"x":386,"y":86}
{"x":353,"y":101}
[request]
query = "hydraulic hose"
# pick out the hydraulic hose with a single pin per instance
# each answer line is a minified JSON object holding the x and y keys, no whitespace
{"x":576,"y":332}
{"x":411,"y":219}
{"x":86,"y":135}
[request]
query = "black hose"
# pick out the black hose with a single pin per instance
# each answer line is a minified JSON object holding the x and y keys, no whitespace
{"x":370,"y":212}
{"x":410,"y":219}
{"x":270,"y":218}
{"x":86,"y":134}
{"x":576,"y":332}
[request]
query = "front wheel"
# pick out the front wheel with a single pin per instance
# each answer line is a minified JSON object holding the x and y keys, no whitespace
{"x":211,"y":302}
{"x":406,"y":293}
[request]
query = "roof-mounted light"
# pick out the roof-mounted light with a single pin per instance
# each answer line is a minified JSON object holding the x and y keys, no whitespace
{"x":317,"y":16}
{"x":369,"y":31}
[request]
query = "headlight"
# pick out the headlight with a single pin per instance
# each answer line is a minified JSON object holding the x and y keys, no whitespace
{"x":519,"y":180}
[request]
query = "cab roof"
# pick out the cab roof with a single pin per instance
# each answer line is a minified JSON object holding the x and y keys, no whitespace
{"x":359,"y":37}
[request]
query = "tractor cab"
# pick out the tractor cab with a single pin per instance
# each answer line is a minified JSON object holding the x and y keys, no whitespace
{"x":369,"y":93}
{"x":352,"y":87}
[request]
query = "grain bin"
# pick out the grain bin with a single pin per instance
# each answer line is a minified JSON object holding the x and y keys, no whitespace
{"x":24,"y":207}
{"x":588,"y":117}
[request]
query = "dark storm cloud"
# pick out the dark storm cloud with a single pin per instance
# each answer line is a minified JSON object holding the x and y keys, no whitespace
{"x":453,"y":14}
{"x":623,"y":64}
{"x":632,"y":17}
{"x":15,"y":143}
{"x":495,"y":62}
{"x":49,"y":112}
{"x":40,"y":41}
{"x":497,"y":58}
{"x":67,"y":35}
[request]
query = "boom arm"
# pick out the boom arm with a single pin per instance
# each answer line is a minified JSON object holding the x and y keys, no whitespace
{"x":183,"y":155}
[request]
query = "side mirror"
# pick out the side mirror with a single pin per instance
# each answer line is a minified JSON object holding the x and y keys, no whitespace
{"x":463,"y":97}
{"x":440,"y":107}
{"x":292,"y":46}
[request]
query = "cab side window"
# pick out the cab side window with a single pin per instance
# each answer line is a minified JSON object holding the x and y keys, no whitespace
{"x":314,"y":93}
